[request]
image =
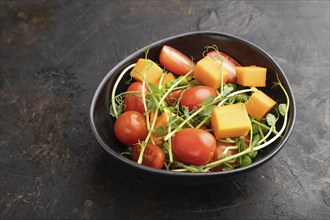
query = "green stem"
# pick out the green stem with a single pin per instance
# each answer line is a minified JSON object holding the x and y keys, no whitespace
{"x":267,"y":135}
{"x":144,"y":143}
{"x":161,"y":80}
{"x":230,"y":148}
{"x":263,"y":125}
{"x":227,"y":140}
{"x":261,"y":132}
{"x":187,"y":168}
{"x":115,"y":88}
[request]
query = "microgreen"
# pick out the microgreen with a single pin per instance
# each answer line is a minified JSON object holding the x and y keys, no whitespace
{"x":227,"y":89}
{"x":209,"y":100}
{"x":271,"y":119}
{"x":113,"y":101}
{"x":282,"y":109}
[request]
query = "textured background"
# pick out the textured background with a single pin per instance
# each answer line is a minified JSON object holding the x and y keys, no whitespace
{"x":54,"y":54}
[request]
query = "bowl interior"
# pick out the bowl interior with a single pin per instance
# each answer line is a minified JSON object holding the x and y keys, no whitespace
{"x":192,"y":45}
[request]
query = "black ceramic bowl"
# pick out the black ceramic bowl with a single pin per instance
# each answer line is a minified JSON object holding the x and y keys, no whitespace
{"x":191,"y":44}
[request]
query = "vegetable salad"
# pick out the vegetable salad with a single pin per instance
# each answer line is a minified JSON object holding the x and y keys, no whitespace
{"x":204,"y":116}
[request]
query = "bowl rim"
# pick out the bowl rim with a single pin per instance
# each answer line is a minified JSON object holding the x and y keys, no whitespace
{"x":125,"y":160}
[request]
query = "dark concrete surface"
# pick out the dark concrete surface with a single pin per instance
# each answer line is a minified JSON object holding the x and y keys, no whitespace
{"x":55,"y":53}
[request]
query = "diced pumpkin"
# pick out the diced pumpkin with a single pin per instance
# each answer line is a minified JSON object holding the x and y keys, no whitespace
{"x":230,"y":121}
{"x":168,"y":77}
{"x":210,"y":72}
{"x":251,"y":76}
{"x":259,"y":104}
{"x":148,"y":69}
{"x":161,"y":120}
{"x":152,"y":116}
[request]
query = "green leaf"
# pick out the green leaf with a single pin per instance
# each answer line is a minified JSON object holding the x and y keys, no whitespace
{"x":271,"y":119}
{"x":255,"y":128}
{"x":234,"y":86}
{"x":245,"y":161}
{"x":241,"y":145}
{"x":111,"y":112}
{"x":208,"y":110}
{"x":170,"y":108}
{"x":119,"y":106}
{"x":253,"y":154}
{"x":263,"y":121}
{"x":152,"y":103}
{"x":183,"y":82}
{"x":169,"y":84}
{"x":255,"y":140}
{"x":160,"y":130}
{"x":226,"y":90}
{"x":154,"y":89}
{"x":282,"y":109}
{"x":186,"y":112}
{"x":208,"y":100}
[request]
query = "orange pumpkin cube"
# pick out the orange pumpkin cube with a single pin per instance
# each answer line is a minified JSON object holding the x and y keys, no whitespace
{"x":251,"y":76}
{"x":210,"y":72}
{"x":230,"y":121}
{"x":168,"y":77}
{"x":147,"y":69}
{"x":161,"y":120}
{"x":259,"y":104}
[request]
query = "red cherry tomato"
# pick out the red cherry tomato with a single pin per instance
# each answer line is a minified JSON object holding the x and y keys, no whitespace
{"x":246,"y":140}
{"x":194,"y":96}
{"x":221,"y":146}
{"x":134,"y":101}
{"x":229,"y":64}
{"x":173,"y":97}
{"x":175,"y":61}
{"x":203,"y":127}
{"x":153,"y":156}
{"x":194,"y":146}
{"x":130,"y":127}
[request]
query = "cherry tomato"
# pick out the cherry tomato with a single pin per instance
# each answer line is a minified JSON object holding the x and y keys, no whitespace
{"x":221,"y":147}
{"x":203,"y":127}
{"x":173,"y":97}
{"x":153,"y":156}
{"x":194,"y":146}
{"x":194,"y":96}
{"x":175,"y":61}
{"x":130,"y":127}
{"x":229,"y":64}
{"x":246,"y":140}
{"x":134,"y":101}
